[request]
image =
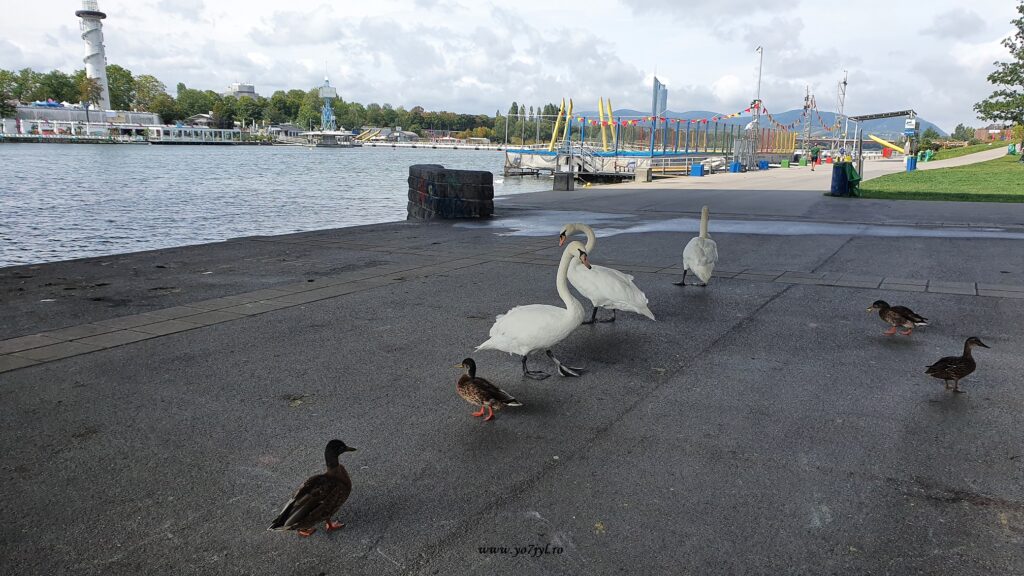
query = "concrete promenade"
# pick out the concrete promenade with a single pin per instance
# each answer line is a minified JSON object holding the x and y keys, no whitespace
{"x":157,"y":408}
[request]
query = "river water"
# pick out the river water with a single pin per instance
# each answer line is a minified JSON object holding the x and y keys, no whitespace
{"x":71,"y":201}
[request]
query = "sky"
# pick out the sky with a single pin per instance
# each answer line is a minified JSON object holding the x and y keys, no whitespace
{"x":477,"y":57}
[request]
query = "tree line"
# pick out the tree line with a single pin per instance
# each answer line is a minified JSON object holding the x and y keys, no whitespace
{"x":300,"y":107}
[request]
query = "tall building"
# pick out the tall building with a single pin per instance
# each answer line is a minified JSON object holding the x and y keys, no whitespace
{"x":95,"y":55}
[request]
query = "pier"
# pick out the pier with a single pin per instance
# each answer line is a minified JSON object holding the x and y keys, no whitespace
{"x":159,"y":407}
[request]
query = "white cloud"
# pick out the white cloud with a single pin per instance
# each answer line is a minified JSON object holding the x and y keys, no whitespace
{"x":478,"y":57}
{"x":957,"y":24}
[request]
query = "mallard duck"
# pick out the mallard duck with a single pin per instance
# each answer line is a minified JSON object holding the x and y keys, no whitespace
{"x":700,"y":254}
{"x":480,"y":392}
{"x":956,"y":367}
{"x":898,"y":317}
{"x":319,"y":497}
{"x":604,"y":287}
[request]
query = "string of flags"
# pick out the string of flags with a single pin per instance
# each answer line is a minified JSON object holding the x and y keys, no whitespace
{"x":634,"y":121}
{"x":755,"y":106}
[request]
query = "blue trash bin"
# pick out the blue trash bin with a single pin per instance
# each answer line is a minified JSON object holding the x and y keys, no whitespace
{"x":697,"y":170}
{"x":840,"y":183}
{"x":762,"y":164}
{"x":911,"y":163}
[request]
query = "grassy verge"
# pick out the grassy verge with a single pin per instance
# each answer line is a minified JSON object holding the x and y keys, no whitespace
{"x":1000,"y":180}
{"x":954,"y":152}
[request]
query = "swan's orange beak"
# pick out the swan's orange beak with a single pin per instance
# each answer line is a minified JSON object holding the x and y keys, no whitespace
{"x":561,"y":239}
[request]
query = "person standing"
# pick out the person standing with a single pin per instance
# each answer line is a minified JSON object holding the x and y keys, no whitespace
{"x":815,"y":151}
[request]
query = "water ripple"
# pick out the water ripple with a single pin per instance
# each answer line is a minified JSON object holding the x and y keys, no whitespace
{"x":71,"y":201}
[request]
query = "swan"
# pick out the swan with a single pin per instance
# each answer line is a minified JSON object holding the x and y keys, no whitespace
{"x":604,"y":287}
{"x":700,"y":254}
{"x":525,"y":329}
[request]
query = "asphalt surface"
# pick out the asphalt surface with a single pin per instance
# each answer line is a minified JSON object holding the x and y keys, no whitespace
{"x":756,"y":427}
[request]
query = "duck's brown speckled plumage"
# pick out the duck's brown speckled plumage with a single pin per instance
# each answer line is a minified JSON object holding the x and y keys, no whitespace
{"x":481,"y":392}
{"x":319,"y":497}
{"x":954,"y":368}
{"x":899,"y":316}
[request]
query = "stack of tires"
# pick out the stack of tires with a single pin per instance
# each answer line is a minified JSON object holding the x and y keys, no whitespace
{"x":437,"y":192}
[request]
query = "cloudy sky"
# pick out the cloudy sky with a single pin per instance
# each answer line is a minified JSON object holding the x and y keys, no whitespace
{"x":472,"y":56}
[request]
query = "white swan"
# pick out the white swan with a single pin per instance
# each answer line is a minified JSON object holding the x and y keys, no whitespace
{"x":604,"y":287}
{"x":525,"y":329}
{"x":700,"y":254}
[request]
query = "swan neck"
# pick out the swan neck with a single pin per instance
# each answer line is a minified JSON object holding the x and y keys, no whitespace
{"x":562,"y":280}
{"x":591,"y":237}
{"x":704,"y":222}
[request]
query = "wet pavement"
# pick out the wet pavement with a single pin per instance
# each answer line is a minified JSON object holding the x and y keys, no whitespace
{"x":762,"y":425}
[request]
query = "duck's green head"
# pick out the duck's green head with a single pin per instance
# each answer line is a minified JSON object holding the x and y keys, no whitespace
{"x":878,"y":305}
{"x":468,"y":365}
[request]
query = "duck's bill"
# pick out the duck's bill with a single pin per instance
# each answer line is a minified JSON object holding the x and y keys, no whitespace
{"x":349,"y":449}
{"x":871,"y":308}
{"x":460,"y":365}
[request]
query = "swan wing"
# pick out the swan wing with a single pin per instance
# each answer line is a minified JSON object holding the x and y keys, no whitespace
{"x":700,"y":256}
{"x":531,"y":327}
{"x":610,"y":288}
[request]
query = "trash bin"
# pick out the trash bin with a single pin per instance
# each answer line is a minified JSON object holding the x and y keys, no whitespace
{"x":911,"y":163}
{"x":840,"y":184}
{"x":845,"y":180}
{"x":785,"y":163}
{"x":762,"y":164}
{"x":803,"y":161}
{"x":1012,"y":150}
{"x":697,"y":170}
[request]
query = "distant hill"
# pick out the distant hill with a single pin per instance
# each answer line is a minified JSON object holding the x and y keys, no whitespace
{"x":888,"y":127}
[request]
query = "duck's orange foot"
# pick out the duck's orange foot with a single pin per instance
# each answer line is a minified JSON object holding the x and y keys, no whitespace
{"x":479,"y":412}
{"x":890,"y":331}
{"x":332,"y":526}
{"x":305,"y":533}
{"x":907,"y":333}
{"x":490,"y":414}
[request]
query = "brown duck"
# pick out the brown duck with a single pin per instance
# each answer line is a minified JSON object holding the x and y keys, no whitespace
{"x":956,"y":367}
{"x":319,"y":497}
{"x":480,"y":392}
{"x":898,"y":317}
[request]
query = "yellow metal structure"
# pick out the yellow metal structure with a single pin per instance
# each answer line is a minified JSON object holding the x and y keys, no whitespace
{"x":600,"y":114}
{"x":558,"y":124}
{"x":568,"y":117}
{"x":886,"y":143}
{"x":611,"y":124}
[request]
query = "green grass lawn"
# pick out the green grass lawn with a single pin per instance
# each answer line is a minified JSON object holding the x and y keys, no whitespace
{"x":954,"y":152}
{"x":1000,"y":180}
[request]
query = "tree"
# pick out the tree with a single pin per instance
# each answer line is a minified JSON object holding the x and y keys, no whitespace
{"x":166,"y":108}
{"x":962,"y":133}
{"x":55,"y":85}
{"x":248,"y":109}
{"x":224,"y":112}
{"x":1006,"y":104}
{"x":25,"y":83}
{"x":89,"y":93}
{"x":192,"y":102}
{"x":309,"y":110}
{"x":147,"y":88}
{"x":930,"y":134}
{"x":121,"y":86}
